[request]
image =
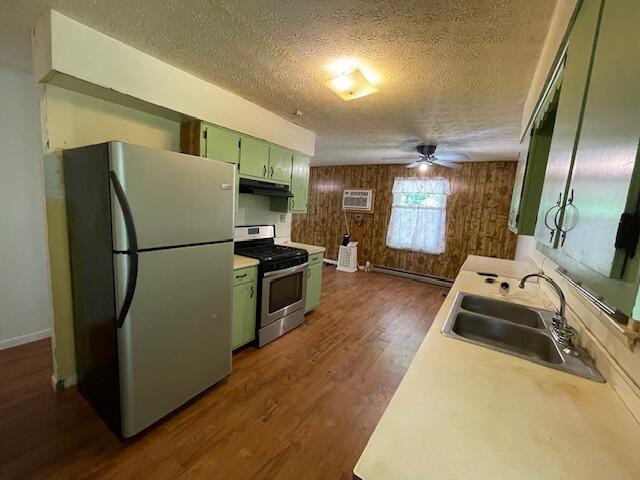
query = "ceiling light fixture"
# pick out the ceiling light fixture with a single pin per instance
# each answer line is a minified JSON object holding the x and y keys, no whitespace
{"x":423,"y":167}
{"x":351,"y":85}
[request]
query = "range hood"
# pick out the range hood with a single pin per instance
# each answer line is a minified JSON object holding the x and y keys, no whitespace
{"x":264,"y":188}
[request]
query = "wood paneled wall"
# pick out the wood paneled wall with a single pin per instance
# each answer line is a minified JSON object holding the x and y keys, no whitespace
{"x":477,"y":212}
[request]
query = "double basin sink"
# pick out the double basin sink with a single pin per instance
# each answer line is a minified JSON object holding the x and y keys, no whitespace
{"x":516,"y":330}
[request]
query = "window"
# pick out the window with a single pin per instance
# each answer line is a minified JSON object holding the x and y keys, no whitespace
{"x":418,"y":214}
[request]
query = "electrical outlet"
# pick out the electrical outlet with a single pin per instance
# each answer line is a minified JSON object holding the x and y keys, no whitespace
{"x":283,"y":217}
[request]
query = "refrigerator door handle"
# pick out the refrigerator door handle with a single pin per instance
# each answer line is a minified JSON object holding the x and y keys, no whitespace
{"x":132,"y":251}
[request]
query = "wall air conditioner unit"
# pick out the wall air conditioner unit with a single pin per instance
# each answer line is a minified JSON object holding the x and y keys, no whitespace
{"x":357,"y":200}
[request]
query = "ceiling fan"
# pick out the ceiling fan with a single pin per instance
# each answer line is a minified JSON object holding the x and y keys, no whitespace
{"x":427,"y":156}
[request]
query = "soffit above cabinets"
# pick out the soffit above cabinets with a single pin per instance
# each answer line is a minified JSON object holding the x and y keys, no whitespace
{"x":451,"y":73}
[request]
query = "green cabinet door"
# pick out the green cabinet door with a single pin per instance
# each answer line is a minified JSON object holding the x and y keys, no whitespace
{"x":603,"y":171}
{"x":314,"y":286}
{"x":299,"y":187}
{"x":280,"y":164}
{"x":516,"y":196}
{"x":244,"y":314}
{"x":535,"y":172}
{"x":254,"y":158}
{"x":299,"y":183}
{"x":575,"y":78}
{"x":222,"y":144}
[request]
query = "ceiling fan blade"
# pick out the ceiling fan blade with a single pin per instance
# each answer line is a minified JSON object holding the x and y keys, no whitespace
{"x":442,"y":163}
{"x":451,"y":157}
{"x":408,"y":156}
{"x":414,"y":164}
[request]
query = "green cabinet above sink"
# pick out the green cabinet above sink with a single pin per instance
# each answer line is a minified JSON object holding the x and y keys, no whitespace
{"x":589,"y":212}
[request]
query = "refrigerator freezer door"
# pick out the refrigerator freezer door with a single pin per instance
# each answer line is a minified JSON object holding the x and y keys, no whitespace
{"x":176,"y":339}
{"x":175,"y":199}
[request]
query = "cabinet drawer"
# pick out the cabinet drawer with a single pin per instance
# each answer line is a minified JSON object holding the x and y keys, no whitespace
{"x":316,"y":258}
{"x":244,"y":275}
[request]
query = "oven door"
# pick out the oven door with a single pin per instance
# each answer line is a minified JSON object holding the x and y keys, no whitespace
{"x":283,"y":292}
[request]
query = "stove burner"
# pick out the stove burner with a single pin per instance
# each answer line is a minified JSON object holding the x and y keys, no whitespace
{"x":269,"y":252}
{"x":273,"y":257}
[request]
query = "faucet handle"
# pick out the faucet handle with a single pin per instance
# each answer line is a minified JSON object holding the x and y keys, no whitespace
{"x":566,"y":337}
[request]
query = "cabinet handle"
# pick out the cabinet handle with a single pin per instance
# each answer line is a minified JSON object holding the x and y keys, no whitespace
{"x":546,"y":218}
{"x":272,"y":171}
{"x":241,"y":276}
{"x":293,"y":203}
{"x":563,"y":233}
{"x":252,"y":292}
{"x":308,"y":273}
{"x":264,"y":170}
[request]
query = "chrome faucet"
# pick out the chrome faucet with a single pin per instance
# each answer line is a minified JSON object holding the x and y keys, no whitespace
{"x":560,"y":330}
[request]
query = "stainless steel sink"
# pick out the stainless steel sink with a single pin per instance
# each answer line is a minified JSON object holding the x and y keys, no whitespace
{"x":511,"y":312}
{"x":506,"y":336}
{"x":516,"y":330}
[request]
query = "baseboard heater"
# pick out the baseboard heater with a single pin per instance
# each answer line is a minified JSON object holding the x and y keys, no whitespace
{"x":441,"y":282}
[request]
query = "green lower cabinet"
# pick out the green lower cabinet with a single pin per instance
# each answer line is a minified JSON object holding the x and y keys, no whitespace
{"x":244,"y":311}
{"x":314,"y":286}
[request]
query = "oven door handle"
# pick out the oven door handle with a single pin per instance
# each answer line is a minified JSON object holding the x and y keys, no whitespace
{"x":287,"y":271}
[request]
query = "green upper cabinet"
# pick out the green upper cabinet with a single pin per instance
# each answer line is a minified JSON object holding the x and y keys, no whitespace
{"x":221,"y":144}
{"x":592,"y":174}
{"x":603,"y":184}
{"x":516,"y":196}
{"x":254,"y":158}
{"x":299,"y":187}
{"x":300,"y":183}
{"x":280,"y":162}
{"x":532,"y":164}
{"x":569,"y":111}
{"x":535,"y":172}
{"x":262,"y":161}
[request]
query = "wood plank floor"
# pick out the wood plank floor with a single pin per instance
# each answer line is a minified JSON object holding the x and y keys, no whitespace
{"x":303,"y":407}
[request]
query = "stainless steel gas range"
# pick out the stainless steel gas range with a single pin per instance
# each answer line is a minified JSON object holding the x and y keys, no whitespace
{"x":282,"y":281}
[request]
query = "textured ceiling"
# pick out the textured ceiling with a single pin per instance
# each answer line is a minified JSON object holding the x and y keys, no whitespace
{"x":452,"y":72}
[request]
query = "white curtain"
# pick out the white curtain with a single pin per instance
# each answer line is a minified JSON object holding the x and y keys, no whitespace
{"x":418,"y":214}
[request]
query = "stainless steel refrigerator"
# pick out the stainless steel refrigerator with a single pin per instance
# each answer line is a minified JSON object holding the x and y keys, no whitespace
{"x":151,"y":248}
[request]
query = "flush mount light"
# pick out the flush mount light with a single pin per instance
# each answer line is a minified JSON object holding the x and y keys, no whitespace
{"x":351,"y":85}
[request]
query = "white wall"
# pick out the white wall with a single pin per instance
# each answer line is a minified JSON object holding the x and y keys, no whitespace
{"x":25,"y":302}
{"x":256,"y":210}
{"x":64,"y":47}
{"x":71,"y":119}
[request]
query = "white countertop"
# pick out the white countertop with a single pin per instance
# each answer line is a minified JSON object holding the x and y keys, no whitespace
{"x":499,"y":266}
{"x":242,"y":262}
{"x":309,"y":248}
{"x":468,"y":412}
